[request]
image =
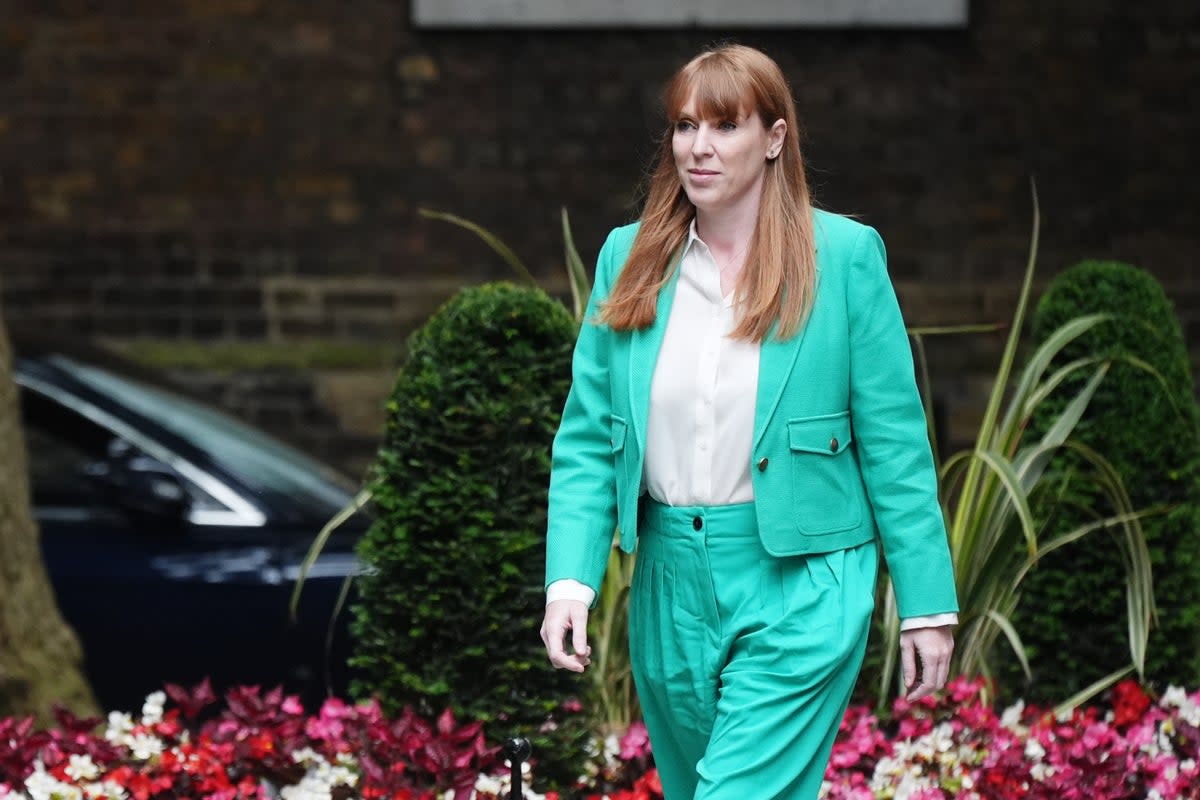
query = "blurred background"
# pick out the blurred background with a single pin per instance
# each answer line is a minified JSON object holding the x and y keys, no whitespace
{"x":228,"y":190}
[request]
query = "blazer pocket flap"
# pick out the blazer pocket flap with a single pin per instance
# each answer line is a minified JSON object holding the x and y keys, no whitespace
{"x":618,"y":434}
{"x":828,"y":434}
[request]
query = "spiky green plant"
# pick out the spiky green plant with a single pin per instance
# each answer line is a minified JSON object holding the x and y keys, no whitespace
{"x":985,"y":495}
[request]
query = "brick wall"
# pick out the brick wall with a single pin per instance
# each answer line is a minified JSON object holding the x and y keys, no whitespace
{"x":244,"y":170}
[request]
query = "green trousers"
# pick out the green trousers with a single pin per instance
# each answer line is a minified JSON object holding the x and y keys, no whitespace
{"x":744,"y":662}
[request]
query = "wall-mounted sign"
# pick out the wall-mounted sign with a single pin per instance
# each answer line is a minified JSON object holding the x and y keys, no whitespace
{"x":689,"y":13}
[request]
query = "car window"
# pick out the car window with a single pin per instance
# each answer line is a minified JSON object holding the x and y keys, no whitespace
{"x":62,"y":445}
{"x":255,"y":457}
{"x":58,"y":459}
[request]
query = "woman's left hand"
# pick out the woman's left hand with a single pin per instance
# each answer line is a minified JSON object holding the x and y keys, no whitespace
{"x":932,"y":647}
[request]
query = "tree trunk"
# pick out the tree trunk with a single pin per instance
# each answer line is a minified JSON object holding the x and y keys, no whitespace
{"x":40,"y":657}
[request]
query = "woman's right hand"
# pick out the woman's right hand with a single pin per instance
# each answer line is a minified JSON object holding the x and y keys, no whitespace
{"x":563,"y":616}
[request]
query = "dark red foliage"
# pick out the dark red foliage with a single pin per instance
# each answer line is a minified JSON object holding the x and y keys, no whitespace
{"x":192,"y":701}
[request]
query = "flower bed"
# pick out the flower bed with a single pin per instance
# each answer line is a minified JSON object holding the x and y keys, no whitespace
{"x":264,"y":746}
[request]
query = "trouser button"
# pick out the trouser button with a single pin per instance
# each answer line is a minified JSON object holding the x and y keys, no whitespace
{"x":697,"y":523}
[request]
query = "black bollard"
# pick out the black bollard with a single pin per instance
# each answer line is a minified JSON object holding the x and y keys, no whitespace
{"x":516,"y":751}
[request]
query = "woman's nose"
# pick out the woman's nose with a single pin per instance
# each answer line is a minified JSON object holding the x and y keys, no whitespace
{"x":702,"y":141}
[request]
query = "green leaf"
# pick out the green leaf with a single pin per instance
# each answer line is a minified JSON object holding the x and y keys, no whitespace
{"x":501,"y":249}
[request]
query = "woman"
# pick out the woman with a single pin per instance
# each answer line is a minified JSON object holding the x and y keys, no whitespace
{"x":744,"y":410}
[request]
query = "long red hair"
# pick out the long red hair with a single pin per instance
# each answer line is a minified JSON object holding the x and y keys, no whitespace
{"x":779,"y":279}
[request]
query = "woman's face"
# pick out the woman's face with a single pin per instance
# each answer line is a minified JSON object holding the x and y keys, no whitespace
{"x":721,"y":162}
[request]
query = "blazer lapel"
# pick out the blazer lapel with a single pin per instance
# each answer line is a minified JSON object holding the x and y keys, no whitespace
{"x":776,"y":361}
{"x":644,"y":345}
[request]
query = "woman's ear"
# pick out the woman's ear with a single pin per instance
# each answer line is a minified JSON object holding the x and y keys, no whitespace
{"x":776,"y":136}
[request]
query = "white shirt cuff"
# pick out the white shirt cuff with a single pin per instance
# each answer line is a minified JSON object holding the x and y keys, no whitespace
{"x":928,"y":621}
{"x":570,"y":589}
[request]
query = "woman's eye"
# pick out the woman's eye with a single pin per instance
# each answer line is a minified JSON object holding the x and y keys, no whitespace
{"x":727,"y":126}
{"x":683,"y":125}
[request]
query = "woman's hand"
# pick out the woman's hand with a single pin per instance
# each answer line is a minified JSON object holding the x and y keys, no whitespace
{"x":563,"y":616}
{"x":932,"y":647}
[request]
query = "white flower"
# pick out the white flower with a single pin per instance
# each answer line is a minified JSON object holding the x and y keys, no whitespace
{"x":910,"y":784}
{"x":1164,"y":739}
{"x":340,"y":776}
{"x":499,"y":786}
{"x":1189,"y":712}
{"x":941,"y":738}
{"x":120,"y":725}
{"x":1187,"y":765}
{"x":43,"y":786}
{"x":612,"y":749}
{"x":1173,"y":697}
{"x":145,"y":747}
{"x":81,"y":768}
{"x":1040,"y":771}
{"x":152,"y":709}
{"x":306,"y":755}
{"x":309,"y":788}
{"x":1011,"y":718}
{"x":106,"y":790}
{"x":489,"y":784}
{"x":1034,"y":750}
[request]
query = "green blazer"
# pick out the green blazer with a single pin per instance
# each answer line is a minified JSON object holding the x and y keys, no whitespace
{"x":841,"y":451}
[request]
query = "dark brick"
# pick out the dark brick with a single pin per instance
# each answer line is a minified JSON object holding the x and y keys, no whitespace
{"x":160,"y":162}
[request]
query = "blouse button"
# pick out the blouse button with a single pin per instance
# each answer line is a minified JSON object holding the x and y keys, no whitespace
{"x":833,"y":445}
{"x":762,"y":465}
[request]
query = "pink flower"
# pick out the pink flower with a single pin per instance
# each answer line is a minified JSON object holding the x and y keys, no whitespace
{"x":636,"y":742}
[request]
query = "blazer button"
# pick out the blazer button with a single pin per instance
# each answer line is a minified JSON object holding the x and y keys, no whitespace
{"x":762,"y":465}
{"x":697,"y":523}
{"x":833,"y":445}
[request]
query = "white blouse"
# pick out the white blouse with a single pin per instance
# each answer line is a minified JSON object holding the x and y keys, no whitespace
{"x":700,"y":427}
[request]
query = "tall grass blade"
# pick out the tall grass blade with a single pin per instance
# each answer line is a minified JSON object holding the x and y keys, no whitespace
{"x":504,"y":251}
{"x":1087,"y":693}
{"x":1005,"y":625}
{"x":992,"y":414}
{"x":581,"y":289}
{"x":314,"y":550}
{"x":891,"y":647}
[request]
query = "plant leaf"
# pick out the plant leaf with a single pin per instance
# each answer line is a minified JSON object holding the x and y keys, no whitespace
{"x":1088,"y":692}
{"x":504,"y":251}
{"x":314,"y":550}
{"x":581,"y":290}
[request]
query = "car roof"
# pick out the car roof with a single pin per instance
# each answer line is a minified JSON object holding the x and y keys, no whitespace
{"x":41,"y":357}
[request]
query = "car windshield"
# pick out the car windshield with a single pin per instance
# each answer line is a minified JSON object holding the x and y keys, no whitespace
{"x":252,"y":455}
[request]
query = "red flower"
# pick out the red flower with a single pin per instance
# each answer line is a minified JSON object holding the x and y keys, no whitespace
{"x":651,"y":783}
{"x":1129,"y":703}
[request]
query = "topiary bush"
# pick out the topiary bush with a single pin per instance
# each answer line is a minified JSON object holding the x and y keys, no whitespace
{"x":1072,"y":610}
{"x":452,"y":600}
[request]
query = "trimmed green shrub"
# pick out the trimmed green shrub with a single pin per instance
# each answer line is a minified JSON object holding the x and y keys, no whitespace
{"x":1072,"y":609}
{"x":452,"y":602}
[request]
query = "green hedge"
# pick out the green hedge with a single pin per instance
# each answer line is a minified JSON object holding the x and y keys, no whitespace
{"x":1072,"y":612}
{"x":450,"y":609}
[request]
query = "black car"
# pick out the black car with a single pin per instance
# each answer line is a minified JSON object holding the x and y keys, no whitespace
{"x":173,"y":533}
